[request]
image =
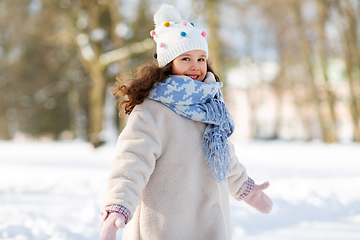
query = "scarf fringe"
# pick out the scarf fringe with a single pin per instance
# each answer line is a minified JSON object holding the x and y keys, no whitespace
{"x":216,"y":147}
{"x":217,"y":154}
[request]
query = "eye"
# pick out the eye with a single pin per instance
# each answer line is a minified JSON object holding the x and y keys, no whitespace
{"x":185,"y":59}
{"x":201,"y":59}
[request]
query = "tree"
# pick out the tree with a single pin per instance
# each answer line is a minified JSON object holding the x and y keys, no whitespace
{"x":351,"y":57}
{"x":323,"y":14}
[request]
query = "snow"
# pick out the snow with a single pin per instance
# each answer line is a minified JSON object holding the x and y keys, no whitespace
{"x":53,"y":190}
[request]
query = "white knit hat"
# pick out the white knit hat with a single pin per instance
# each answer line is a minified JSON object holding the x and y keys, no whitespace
{"x":174,"y":36}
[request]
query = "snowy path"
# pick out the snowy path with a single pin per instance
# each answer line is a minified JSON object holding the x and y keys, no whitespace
{"x":53,"y":191}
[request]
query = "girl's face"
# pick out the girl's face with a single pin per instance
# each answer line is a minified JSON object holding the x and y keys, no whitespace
{"x":191,"y":64}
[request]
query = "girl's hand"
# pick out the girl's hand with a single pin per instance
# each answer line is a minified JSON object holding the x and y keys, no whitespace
{"x":110,"y":223}
{"x":258,"y":199}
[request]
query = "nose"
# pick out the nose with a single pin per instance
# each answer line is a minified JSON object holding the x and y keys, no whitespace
{"x":195,"y":66}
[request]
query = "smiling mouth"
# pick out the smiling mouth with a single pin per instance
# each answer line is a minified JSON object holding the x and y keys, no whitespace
{"x":195,"y":77}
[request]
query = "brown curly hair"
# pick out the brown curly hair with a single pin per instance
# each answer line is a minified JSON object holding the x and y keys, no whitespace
{"x":138,"y":88}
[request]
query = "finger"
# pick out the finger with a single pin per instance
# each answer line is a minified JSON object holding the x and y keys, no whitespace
{"x":103,"y":217}
{"x":266,"y":205}
{"x":263,"y":186}
{"x":102,"y":222}
{"x":119,"y":223}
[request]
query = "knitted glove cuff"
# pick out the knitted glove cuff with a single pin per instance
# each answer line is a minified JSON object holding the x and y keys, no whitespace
{"x":250,"y":184}
{"x":119,"y":209}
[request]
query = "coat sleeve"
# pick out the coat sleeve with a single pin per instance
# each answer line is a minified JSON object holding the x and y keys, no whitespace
{"x":238,"y":177}
{"x":138,"y":148}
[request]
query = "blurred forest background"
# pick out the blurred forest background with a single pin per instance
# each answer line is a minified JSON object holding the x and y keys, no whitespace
{"x":295,"y":62}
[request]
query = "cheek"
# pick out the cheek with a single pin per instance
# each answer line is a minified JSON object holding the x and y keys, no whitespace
{"x":178,"y":69}
{"x":175,"y":71}
{"x":204,"y":69}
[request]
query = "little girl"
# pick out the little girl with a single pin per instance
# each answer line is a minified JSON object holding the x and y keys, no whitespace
{"x":175,"y":167}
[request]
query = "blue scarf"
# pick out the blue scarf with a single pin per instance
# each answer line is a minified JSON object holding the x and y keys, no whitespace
{"x":202,"y":102}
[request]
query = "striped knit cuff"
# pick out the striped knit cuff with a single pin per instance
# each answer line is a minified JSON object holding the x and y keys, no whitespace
{"x":119,"y":209}
{"x":250,"y":184}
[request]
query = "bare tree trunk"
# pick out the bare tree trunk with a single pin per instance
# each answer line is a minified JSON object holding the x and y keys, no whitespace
{"x":277,"y":123}
{"x":330,"y":126}
{"x":252,"y":113}
{"x":77,"y":123}
{"x":353,"y":19}
{"x":97,"y":74}
{"x":97,"y":101}
{"x":300,"y":106}
{"x":4,"y":129}
{"x":212,"y":19}
{"x":306,"y":56}
{"x":348,"y":51}
{"x":277,"y":86}
{"x":353,"y":105}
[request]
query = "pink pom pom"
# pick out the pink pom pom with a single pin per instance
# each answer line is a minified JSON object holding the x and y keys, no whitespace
{"x":152,"y":33}
{"x":162,"y":45}
{"x":184,"y":23}
{"x":203,"y":33}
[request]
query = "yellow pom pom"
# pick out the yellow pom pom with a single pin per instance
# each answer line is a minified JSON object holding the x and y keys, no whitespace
{"x":167,"y":24}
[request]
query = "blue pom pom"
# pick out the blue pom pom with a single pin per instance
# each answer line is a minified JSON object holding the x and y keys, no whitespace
{"x":183,"y":34}
{"x":192,"y":24}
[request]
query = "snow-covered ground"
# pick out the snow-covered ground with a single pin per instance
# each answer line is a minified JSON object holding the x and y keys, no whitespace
{"x":53,"y":191}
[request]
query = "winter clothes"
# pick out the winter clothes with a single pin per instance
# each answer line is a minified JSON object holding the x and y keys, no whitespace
{"x":160,"y":176}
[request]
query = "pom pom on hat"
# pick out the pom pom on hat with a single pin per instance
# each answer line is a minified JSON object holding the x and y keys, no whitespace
{"x":166,"y":13}
{"x":174,"y":36}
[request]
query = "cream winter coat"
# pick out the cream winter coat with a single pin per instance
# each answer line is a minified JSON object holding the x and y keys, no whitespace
{"x":159,"y":174}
